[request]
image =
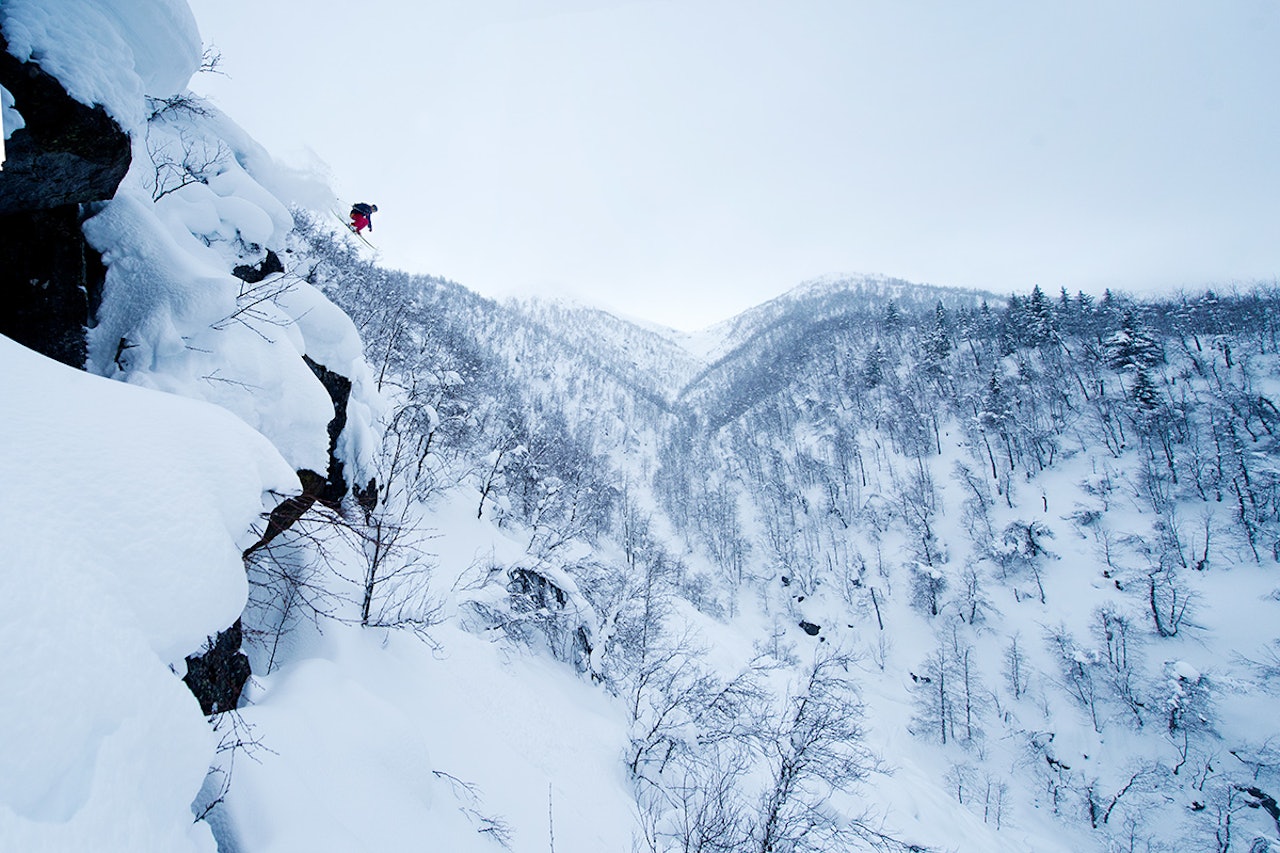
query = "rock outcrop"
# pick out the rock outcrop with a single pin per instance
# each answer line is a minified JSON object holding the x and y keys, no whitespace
{"x":328,"y":488}
{"x":68,"y":155}
{"x":217,"y":675}
{"x":67,"y":158}
{"x":254,"y":273}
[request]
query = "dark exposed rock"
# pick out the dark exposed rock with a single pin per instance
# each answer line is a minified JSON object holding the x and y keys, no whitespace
{"x":541,"y":592}
{"x":68,"y":153}
{"x":289,"y":510}
{"x":67,"y":156}
{"x":532,"y":592}
{"x":810,"y":628}
{"x":1262,"y":800}
{"x":329,"y":488}
{"x":253,"y":274}
{"x":366,"y":496}
{"x":339,"y":388}
{"x":217,"y":676}
{"x":50,"y":282}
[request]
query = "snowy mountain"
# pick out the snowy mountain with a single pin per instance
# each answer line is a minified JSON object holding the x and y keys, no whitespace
{"x":832,"y":296}
{"x":303,"y":553}
{"x":650,"y":359}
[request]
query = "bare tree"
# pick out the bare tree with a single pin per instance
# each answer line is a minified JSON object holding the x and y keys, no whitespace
{"x":469,"y":802}
{"x":1169,"y":602}
{"x":1024,"y":549}
{"x":236,"y":738}
{"x":1078,"y":667}
{"x":394,"y":588}
{"x":815,"y":747}
{"x":291,"y":581}
{"x":1016,"y":667}
{"x":183,"y":160}
{"x":935,"y":716}
{"x":1119,"y":643}
{"x":703,"y":809}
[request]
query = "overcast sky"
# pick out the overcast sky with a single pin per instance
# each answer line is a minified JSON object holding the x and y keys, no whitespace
{"x":681,"y":161}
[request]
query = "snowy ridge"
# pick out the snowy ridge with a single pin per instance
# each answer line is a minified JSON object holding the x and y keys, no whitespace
{"x":663,"y":368}
{"x":865,"y":292}
{"x":783,"y":327}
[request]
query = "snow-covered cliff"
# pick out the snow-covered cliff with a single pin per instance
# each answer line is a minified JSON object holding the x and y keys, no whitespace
{"x":129,"y":495}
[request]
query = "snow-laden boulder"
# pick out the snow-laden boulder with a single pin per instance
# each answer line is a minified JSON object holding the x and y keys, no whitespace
{"x":108,"y":52}
{"x":122,"y":520}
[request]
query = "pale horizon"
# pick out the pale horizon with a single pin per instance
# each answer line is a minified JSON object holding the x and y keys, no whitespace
{"x":683,"y":162}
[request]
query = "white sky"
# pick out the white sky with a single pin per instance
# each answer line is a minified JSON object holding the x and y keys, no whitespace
{"x":681,"y":161}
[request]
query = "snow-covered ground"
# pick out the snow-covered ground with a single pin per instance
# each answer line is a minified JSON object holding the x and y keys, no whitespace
{"x":124,"y":514}
{"x":377,"y":739}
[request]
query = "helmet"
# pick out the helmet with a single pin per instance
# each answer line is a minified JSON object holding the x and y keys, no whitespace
{"x":373,"y":207}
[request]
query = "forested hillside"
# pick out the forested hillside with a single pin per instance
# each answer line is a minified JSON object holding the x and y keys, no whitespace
{"x":1035,"y":537}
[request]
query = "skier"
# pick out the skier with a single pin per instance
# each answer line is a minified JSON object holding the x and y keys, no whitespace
{"x":362,"y":216}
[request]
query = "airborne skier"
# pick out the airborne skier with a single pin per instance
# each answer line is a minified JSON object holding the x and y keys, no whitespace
{"x":362,"y":216}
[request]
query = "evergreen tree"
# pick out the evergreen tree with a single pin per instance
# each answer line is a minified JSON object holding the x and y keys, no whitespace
{"x":874,"y":367}
{"x":937,"y":343}
{"x":1132,"y":347}
{"x":1144,"y":392}
{"x":1039,"y":325}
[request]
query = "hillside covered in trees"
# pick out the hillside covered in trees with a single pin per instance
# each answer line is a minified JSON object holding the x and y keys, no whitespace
{"x":1026,"y":519}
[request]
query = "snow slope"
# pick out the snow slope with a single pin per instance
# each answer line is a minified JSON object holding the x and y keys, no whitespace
{"x":122,"y":520}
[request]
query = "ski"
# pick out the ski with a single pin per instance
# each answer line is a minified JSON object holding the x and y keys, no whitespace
{"x":347,"y":224}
